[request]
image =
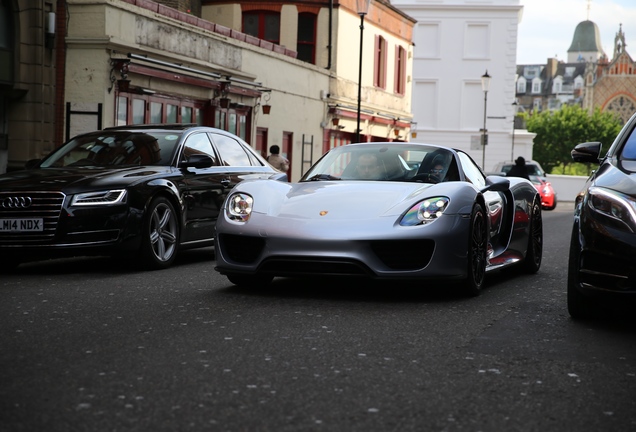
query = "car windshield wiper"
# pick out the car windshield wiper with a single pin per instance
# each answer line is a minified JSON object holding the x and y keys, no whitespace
{"x":319,"y":177}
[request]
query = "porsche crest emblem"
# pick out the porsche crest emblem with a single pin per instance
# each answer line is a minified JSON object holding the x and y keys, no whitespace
{"x":323,"y":212}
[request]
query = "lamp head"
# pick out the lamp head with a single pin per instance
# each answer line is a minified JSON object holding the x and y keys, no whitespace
{"x":485,"y":81}
{"x":362,"y":7}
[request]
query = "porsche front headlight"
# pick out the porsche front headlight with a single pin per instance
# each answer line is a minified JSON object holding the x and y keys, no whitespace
{"x":615,"y":205}
{"x":425,"y":211}
{"x":239,"y":207}
{"x":101,"y":198}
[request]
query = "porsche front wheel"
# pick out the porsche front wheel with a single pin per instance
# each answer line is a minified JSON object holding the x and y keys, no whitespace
{"x":160,"y":235}
{"x":477,"y":247}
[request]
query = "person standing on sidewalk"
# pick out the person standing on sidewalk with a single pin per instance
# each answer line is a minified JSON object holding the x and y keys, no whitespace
{"x":519,"y":169}
{"x":276,"y":160}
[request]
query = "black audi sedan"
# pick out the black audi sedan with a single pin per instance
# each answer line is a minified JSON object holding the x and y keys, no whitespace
{"x":602,"y":262}
{"x":142,"y":192}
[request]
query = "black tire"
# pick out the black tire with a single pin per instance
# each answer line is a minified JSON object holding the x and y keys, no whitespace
{"x":580,"y":307}
{"x":477,"y":249}
{"x":249,"y":280}
{"x":160,"y":240}
{"x":532,"y":261}
{"x":9,"y":264}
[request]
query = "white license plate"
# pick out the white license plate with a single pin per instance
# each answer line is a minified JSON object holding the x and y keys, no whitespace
{"x":21,"y":225}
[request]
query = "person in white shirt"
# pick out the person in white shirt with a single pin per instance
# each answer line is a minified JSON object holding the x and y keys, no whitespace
{"x":276,"y":160}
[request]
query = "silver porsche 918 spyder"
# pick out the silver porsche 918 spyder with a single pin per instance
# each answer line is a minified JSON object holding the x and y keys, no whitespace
{"x":400,"y":211}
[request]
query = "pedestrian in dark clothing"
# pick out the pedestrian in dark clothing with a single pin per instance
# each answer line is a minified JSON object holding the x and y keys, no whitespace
{"x":519,"y":169}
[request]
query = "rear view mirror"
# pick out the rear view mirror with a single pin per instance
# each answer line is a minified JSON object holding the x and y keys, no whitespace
{"x":587,"y":152}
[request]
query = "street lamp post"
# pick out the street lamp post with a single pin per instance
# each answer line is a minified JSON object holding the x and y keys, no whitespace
{"x":514,"y":115}
{"x":362,"y":9}
{"x":485,"y":85}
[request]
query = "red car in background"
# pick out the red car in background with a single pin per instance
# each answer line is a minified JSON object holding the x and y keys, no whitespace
{"x":545,"y":189}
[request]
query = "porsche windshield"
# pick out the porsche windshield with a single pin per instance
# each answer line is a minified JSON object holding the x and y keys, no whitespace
{"x":391,"y":162}
{"x":115,"y":148}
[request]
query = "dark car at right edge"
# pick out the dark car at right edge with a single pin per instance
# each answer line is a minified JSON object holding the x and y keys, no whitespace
{"x":602,"y":262}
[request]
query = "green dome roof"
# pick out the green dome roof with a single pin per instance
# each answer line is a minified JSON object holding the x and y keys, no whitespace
{"x":587,"y":38}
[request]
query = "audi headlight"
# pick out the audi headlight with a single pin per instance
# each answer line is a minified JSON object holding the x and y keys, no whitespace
{"x":239,"y":207}
{"x":110,"y":197}
{"x":426,"y":211}
{"x":615,"y":205}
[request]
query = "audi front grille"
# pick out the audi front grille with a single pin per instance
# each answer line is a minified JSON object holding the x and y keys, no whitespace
{"x":21,"y":213}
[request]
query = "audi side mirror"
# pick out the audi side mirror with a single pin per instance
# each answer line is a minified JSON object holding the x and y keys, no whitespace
{"x":198,"y":161}
{"x":32,"y":163}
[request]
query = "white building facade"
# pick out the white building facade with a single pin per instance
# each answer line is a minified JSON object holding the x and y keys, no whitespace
{"x":456,"y":42}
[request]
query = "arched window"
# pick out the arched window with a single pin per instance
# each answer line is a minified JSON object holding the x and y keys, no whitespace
{"x":263,"y":25}
{"x":306,"y":44}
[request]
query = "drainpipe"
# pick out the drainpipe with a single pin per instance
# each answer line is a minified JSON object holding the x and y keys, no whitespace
{"x":330,"y":32}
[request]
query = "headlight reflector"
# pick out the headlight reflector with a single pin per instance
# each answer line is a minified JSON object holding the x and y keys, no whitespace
{"x":239,"y":207}
{"x":614,"y":205}
{"x":110,"y":197}
{"x":425,"y":212}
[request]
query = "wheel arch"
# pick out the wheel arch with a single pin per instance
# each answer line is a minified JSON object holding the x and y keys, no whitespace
{"x":167,"y":189}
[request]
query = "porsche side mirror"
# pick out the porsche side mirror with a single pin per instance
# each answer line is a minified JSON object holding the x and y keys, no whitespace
{"x":587,"y":152}
{"x":496,"y":184}
{"x":198,"y":161}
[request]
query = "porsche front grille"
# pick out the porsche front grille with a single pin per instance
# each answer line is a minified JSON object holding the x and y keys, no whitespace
{"x":29,"y":206}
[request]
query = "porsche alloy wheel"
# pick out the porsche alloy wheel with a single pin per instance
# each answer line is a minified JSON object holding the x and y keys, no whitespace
{"x":532,"y":262}
{"x":477,"y":247}
{"x":161,"y":235}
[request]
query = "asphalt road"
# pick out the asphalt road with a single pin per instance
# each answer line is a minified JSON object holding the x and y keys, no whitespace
{"x":89,"y":346}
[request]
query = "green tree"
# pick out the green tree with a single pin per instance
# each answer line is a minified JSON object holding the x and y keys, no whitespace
{"x":558,"y":132}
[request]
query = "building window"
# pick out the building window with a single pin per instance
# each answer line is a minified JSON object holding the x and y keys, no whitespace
{"x":536,"y":86}
{"x":379,"y":68}
{"x":521,"y":85}
{"x":232,"y":120}
{"x":400,"y":70}
{"x":122,"y":111}
{"x":138,"y":111}
{"x":263,"y":25}
{"x":156,"y":112}
{"x":171,"y":113}
{"x":536,"y":104}
{"x":306,"y":44}
{"x":155,"y":109}
{"x":578,"y":82}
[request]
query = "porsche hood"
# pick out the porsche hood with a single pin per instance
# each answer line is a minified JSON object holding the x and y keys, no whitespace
{"x":341,"y":200}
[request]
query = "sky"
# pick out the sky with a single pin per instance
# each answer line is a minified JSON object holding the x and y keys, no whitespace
{"x":547,"y":27}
